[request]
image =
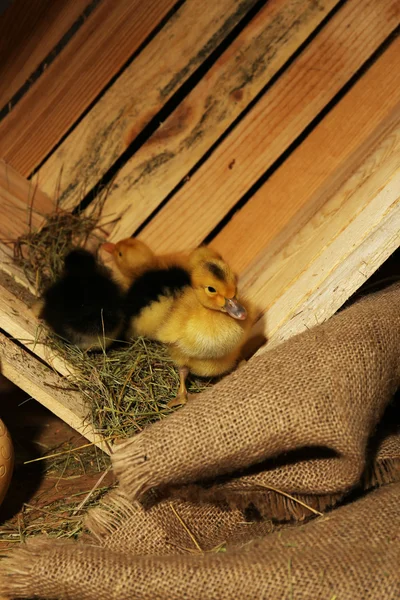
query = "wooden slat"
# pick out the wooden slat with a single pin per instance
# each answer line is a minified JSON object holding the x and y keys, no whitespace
{"x":338,"y":250}
{"x":347,"y":201}
{"x":33,"y":366}
{"x":300,"y":187}
{"x":16,"y":318}
{"x":22,"y":204}
{"x":93,"y":56}
{"x":138,"y":94}
{"x":9,"y":266}
{"x":28,"y":33}
{"x":339,"y":50}
{"x":235,"y":79}
{"x":19,"y":322}
{"x":47,"y":387}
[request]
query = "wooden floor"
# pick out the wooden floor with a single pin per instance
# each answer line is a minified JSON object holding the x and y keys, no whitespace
{"x":269,"y":130}
{"x":44,"y":494}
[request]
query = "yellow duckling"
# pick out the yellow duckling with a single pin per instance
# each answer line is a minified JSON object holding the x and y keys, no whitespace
{"x":188,"y":302}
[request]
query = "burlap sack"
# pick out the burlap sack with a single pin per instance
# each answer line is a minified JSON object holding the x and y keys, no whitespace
{"x":311,"y":421}
{"x":352,"y":554}
{"x":298,"y":419}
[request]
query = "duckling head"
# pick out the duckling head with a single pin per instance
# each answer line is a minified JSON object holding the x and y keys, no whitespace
{"x":130,"y":255}
{"x":79,"y":261}
{"x":214,"y":283}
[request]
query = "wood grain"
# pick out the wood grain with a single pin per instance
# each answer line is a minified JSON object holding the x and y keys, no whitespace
{"x":234,"y":80}
{"x":347,"y":219}
{"x":16,"y":273}
{"x":22,"y":204}
{"x":343,"y":45}
{"x":327,"y":156}
{"x":110,"y":35}
{"x":47,"y":378}
{"x":338,"y":250}
{"x":48,"y":388}
{"x":323,"y":222}
{"x":28,"y":33}
{"x":138,"y":94}
{"x":18,"y":321}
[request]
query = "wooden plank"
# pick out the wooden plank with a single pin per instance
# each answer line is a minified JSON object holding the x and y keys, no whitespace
{"x":301,"y":185}
{"x":235,"y":79}
{"x":319,"y":73}
{"x":18,"y":321}
{"x":16,"y":273}
{"x":46,"y":387}
{"x":348,"y":208}
{"x":34,"y":367}
{"x":331,"y":257}
{"x":22,"y":204}
{"x":22,"y":367}
{"x":138,"y":94}
{"x":21,"y":27}
{"x":110,"y":35}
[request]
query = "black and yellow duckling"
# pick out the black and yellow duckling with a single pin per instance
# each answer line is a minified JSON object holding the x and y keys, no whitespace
{"x":187,"y":301}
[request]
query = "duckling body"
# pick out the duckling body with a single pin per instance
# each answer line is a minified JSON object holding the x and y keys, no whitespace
{"x":85,"y":307}
{"x":152,"y":296}
{"x":200,"y":333}
{"x":162,"y":306}
{"x":189,"y":303}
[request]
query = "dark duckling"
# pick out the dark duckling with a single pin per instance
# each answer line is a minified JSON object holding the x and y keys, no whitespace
{"x":85,"y":306}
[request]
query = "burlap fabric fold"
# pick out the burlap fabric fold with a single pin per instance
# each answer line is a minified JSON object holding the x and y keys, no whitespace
{"x":305,"y":418}
{"x":308,"y":424}
{"x":352,"y":554}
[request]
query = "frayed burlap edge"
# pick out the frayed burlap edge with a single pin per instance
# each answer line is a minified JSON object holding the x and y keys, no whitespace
{"x":130,"y":458}
{"x":115,"y":509}
{"x":273,"y":504}
{"x":110,"y":515}
{"x":279,"y":506}
{"x":270,"y":502}
{"x":19,"y":564}
{"x":382,"y":472}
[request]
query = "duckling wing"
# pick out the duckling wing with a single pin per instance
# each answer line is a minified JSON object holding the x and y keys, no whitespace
{"x":151,"y":297}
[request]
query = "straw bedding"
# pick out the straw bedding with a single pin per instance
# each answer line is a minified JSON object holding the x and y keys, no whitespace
{"x":308,"y":426}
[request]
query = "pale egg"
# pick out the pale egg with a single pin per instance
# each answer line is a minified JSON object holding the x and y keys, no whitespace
{"x":6,"y":460}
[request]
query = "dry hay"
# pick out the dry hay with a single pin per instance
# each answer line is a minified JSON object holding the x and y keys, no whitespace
{"x":41,"y":253}
{"x":126,"y":387}
{"x":54,"y":509}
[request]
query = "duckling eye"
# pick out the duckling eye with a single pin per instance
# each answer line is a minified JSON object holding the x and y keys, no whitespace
{"x":211,"y":290}
{"x":119,"y":253}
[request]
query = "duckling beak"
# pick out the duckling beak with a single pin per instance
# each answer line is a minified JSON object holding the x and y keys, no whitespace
{"x":108,"y":247}
{"x":235,"y":309}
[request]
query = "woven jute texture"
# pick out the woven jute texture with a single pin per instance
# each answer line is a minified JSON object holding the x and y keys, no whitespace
{"x":299,"y":418}
{"x":308,"y":427}
{"x":352,"y":554}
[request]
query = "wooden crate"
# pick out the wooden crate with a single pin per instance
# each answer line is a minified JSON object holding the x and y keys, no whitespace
{"x":269,"y":130}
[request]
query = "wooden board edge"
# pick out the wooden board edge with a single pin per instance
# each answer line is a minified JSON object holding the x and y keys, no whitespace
{"x":17,"y":319}
{"x":10,"y":268}
{"x":48,"y":388}
{"x":344,"y":279}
